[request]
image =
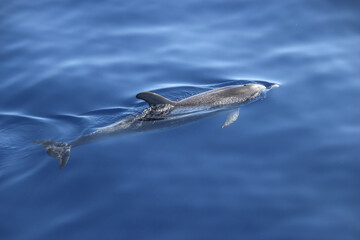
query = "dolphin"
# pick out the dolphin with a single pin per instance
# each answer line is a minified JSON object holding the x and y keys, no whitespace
{"x":163,"y":112}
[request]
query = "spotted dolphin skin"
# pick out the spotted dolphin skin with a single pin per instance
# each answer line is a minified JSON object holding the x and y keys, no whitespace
{"x":163,"y":112}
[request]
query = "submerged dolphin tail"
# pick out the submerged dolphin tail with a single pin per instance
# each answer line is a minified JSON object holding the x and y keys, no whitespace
{"x":59,"y":150}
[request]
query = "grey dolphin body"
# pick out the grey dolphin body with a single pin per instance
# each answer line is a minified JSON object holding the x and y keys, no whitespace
{"x":163,"y":112}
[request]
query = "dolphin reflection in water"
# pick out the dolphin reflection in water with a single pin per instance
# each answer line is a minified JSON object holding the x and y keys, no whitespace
{"x":163,"y":112}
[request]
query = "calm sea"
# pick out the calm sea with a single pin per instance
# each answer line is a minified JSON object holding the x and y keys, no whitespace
{"x":287,"y":169}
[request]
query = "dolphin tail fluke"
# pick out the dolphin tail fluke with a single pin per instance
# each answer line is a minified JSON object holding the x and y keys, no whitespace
{"x":59,"y":150}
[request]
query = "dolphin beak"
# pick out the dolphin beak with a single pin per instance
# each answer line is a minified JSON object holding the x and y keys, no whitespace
{"x":273,"y":86}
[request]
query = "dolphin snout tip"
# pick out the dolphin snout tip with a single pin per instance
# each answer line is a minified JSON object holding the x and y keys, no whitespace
{"x":275,"y":85}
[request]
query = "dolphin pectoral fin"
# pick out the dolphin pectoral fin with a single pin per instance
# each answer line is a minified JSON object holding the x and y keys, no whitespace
{"x":231,"y":117}
{"x":154,"y":99}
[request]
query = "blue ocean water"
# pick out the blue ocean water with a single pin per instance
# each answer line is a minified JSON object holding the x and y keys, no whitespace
{"x":287,"y":169}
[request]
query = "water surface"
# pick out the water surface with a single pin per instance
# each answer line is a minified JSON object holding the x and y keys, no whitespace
{"x":287,"y":169}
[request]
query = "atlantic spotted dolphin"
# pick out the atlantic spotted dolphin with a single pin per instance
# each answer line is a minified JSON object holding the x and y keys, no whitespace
{"x":163,"y":112}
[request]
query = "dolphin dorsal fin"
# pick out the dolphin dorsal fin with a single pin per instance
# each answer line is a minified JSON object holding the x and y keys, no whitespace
{"x":154,"y":99}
